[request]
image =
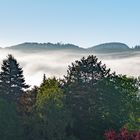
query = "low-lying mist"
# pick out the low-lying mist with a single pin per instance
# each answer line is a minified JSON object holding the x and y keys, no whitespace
{"x":55,"y":63}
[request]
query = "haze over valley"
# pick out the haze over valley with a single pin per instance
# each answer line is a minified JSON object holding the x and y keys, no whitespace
{"x":53,"y":59}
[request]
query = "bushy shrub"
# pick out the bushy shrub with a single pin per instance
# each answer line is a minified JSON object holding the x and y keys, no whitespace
{"x":123,"y":134}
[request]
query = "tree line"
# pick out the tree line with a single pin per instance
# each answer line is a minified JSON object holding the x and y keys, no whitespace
{"x":89,"y":103}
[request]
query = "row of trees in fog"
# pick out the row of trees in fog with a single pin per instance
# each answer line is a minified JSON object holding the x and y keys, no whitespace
{"x":89,"y":103}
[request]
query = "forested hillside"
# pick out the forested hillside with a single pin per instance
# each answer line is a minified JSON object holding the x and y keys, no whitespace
{"x":89,"y":103}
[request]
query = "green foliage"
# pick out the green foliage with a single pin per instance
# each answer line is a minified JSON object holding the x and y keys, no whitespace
{"x":97,"y":99}
{"x":12,"y":81}
{"x":10,"y":125}
{"x":27,"y":102}
{"x":133,"y":123}
{"x":49,"y":93}
{"x":87,"y":70}
{"x":129,"y":89}
{"x":86,"y":103}
{"x":51,"y":112}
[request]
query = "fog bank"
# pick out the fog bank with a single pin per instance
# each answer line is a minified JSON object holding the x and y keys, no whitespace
{"x":55,"y":63}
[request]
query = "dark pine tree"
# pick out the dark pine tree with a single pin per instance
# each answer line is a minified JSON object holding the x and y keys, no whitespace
{"x":12,"y":82}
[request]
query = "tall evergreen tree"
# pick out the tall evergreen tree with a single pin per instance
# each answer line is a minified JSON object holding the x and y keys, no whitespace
{"x":12,"y":82}
{"x":98,"y":99}
{"x":83,"y":97}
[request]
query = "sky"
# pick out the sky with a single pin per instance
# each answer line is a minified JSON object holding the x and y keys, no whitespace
{"x":81,"y":22}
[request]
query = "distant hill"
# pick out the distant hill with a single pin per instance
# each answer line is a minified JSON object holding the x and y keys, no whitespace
{"x":101,"y":48}
{"x":110,"y":47}
{"x":42,"y":46}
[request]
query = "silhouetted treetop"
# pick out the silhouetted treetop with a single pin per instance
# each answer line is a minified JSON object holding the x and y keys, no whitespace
{"x":87,"y":70}
{"x":12,"y":82}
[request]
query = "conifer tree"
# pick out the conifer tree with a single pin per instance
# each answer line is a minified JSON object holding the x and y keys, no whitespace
{"x":98,"y":99}
{"x":12,"y":82}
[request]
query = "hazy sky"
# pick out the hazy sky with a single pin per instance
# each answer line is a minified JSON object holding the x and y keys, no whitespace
{"x":82,"y":22}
